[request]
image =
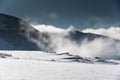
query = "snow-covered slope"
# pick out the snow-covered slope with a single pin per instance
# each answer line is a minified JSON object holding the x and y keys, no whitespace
{"x":36,"y":65}
{"x":42,"y":70}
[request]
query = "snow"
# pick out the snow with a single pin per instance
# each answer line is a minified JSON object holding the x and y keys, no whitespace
{"x":36,"y":65}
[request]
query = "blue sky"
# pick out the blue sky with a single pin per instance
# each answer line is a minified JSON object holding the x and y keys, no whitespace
{"x":63,"y":13}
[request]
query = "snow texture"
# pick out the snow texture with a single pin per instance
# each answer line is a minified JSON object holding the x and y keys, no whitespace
{"x":36,"y":65}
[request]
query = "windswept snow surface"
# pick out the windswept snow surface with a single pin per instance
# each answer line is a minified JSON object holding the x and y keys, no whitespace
{"x":36,"y":65}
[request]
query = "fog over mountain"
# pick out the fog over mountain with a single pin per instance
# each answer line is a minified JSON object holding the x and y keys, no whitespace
{"x":16,"y":34}
{"x":59,"y":39}
{"x":85,"y":44}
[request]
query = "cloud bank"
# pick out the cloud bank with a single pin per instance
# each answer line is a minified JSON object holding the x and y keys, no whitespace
{"x":56,"y":41}
{"x":113,"y":32}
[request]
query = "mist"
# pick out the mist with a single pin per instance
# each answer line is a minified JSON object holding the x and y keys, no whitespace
{"x":112,"y":31}
{"x":53,"y":39}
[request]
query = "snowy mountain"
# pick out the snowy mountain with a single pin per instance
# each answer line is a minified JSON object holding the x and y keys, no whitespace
{"x":16,"y":34}
{"x":87,"y":56}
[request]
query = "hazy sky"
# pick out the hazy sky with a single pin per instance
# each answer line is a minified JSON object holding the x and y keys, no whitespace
{"x":63,"y":13}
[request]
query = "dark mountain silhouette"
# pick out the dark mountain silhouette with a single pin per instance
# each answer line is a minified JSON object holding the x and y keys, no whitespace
{"x":13,"y":31}
{"x":80,"y":36}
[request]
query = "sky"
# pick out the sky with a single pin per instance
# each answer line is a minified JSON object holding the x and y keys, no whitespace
{"x":64,"y":13}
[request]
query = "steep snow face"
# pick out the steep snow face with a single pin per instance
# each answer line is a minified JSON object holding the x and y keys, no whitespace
{"x":14,"y":31}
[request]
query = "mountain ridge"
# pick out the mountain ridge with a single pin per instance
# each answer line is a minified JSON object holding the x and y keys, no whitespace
{"x":22,"y":36}
{"x":14,"y":30}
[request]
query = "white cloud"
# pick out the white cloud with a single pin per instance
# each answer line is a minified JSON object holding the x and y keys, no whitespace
{"x":99,"y":47}
{"x":52,"y":29}
{"x":113,"y":32}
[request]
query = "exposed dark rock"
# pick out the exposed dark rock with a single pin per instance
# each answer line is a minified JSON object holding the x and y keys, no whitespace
{"x":3,"y":55}
{"x":15,"y":31}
